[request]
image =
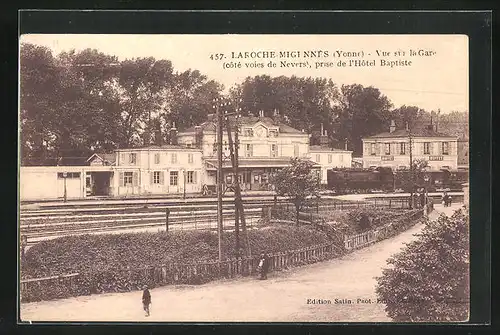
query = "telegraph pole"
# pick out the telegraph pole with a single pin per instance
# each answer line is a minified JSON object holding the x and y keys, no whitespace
{"x":218,"y":103}
{"x":234,"y":159}
{"x":239,"y":212}
{"x":411,"y":166}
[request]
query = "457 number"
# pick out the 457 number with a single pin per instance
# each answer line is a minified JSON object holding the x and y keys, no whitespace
{"x":216,"y":56}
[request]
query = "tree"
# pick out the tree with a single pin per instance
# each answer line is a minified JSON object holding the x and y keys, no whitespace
{"x":143,"y":82}
{"x":411,"y":116}
{"x":404,"y":179}
{"x":39,"y":77}
{"x":191,"y":98}
{"x":302,"y":103}
{"x":297,"y":182}
{"x":89,"y":110}
{"x":362,"y":111}
{"x":429,"y":279}
{"x":454,"y":124}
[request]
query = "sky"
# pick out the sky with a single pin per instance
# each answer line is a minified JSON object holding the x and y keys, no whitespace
{"x":436,"y":79}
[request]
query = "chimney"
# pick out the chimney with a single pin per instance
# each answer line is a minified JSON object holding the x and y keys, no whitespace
{"x":173,"y":134}
{"x":198,"y":134}
{"x":392,"y":128}
{"x":345,"y":145}
{"x":437,"y":119}
{"x":407,"y":127}
{"x":261,"y":113}
{"x":323,"y":138}
{"x":158,"y":134}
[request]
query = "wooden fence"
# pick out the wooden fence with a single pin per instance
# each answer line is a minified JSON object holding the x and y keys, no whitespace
{"x":124,"y":280}
{"x":405,"y":221}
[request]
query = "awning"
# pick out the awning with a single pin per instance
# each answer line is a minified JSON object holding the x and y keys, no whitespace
{"x":252,"y":163}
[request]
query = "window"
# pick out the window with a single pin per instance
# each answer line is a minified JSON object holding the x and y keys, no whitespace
{"x":214,"y":150}
{"x":427,"y":148}
{"x":157,"y":177}
{"x":402,"y":148}
{"x":274,"y":150}
{"x":296,"y":150}
{"x":445,"y":148}
{"x":174,"y":178}
{"x":157,"y":158}
{"x":174,"y":158}
{"x":249,"y":150}
{"x":387,"y":148}
{"x":69,"y":175}
{"x":373,"y":149}
{"x":128,"y":178}
{"x":190,"y":158}
{"x":247,"y":177}
{"x":189,"y":144}
{"x":132,"y":158}
{"x":248,"y":132}
{"x":191,"y":177}
{"x":318,"y":158}
{"x":273,"y":133}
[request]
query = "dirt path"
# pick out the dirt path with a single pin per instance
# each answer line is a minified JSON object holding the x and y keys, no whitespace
{"x":282,"y":298}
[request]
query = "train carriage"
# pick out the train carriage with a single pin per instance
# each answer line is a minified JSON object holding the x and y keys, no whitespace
{"x":384,"y":179}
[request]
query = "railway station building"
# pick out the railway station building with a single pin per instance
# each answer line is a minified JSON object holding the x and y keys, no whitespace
{"x":392,"y":149}
{"x":187,"y":165}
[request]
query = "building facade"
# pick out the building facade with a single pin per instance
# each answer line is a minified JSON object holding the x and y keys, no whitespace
{"x":392,"y":149}
{"x":189,"y":165}
{"x":328,"y":158}
{"x":157,"y":170}
{"x":463,"y":153}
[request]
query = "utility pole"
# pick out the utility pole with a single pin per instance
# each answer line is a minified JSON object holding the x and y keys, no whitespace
{"x":412,"y":205}
{"x":234,"y":154}
{"x":218,"y":103}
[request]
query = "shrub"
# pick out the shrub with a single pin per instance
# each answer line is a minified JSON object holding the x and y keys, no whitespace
{"x":429,"y":280}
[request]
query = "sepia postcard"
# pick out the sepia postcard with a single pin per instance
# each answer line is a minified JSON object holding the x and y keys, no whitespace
{"x":244,"y":178}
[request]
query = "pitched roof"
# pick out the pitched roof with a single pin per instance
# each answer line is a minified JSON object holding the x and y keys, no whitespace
{"x":160,"y":147}
{"x":254,"y":163}
{"x":325,"y":148}
{"x":420,"y":132}
{"x":106,"y":157}
{"x":246,"y":121}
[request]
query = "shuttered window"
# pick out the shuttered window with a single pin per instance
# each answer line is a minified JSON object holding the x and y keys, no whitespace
{"x":191,"y":177}
{"x":157,"y":177}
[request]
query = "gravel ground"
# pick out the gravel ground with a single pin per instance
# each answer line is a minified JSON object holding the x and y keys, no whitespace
{"x":282,"y":298}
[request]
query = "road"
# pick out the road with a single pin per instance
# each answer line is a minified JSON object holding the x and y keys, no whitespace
{"x":282,"y":298}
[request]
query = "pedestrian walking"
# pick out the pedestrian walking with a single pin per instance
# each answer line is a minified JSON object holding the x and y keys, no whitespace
{"x":422,"y":200}
{"x":146,"y":299}
{"x":263,"y":266}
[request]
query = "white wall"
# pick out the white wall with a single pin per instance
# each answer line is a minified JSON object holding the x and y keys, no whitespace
{"x":339,"y":159}
{"x":41,"y":182}
{"x":146,"y":165}
{"x":436,"y":159}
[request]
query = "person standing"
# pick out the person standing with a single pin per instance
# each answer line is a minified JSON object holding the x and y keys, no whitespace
{"x":146,"y":299}
{"x":263,"y":266}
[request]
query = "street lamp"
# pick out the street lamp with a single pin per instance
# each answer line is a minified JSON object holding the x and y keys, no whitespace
{"x":65,"y":175}
{"x":184,"y":188}
{"x":426,"y":180}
